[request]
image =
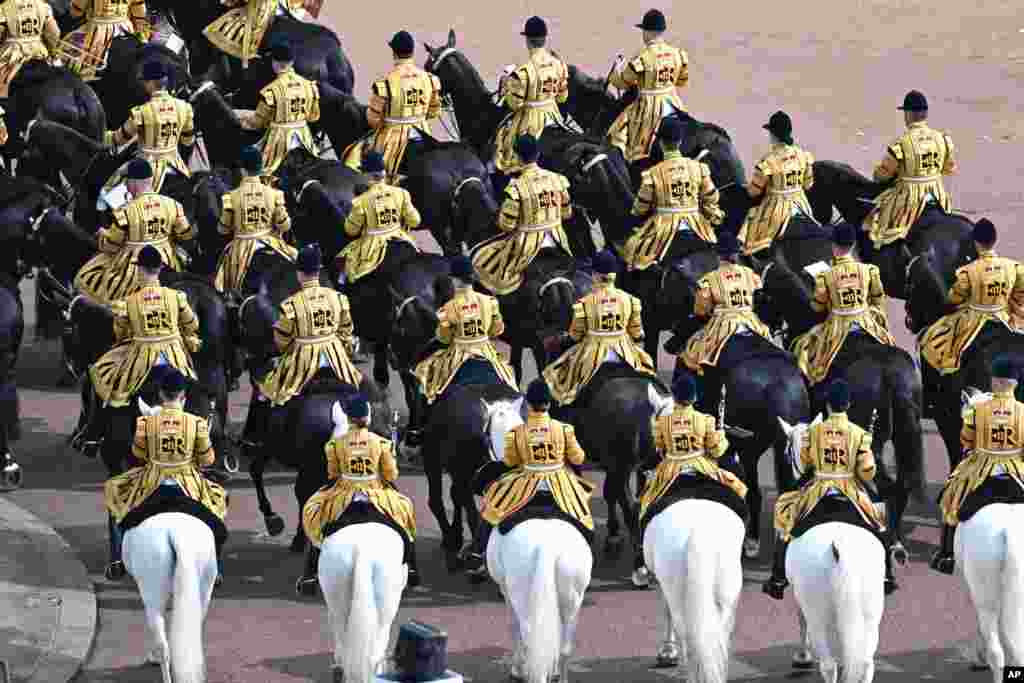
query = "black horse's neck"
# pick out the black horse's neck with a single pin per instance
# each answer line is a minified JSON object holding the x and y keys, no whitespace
{"x":477,"y":115}
{"x":475,"y":212}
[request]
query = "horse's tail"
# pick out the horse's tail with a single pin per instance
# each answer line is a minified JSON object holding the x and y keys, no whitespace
{"x":705,"y":621}
{"x":847,"y":627}
{"x":905,"y":396}
{"x":1011,"y":618}
{"x":193,"y":560}
{"x":543,"y":638}
{"x":355,"y":642}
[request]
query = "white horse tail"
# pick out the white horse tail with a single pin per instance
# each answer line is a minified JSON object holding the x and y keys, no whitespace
{"x":356,"y":642}
{"x":1011,"y":618}
{"x":705,"y":622}
{"x":848,"y":626}
{"x":543,"y":637}
{"x":186,"y":642}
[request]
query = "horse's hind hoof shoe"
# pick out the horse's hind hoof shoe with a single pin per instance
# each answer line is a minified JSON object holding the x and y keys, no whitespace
{"x":275,"y":524}
{"x":899,"y":553}
{"x":115,"y":571}
{"x":11,"y":475}
{"x":668,"y":656}
{"x":337,"y":675}
{"x":803,"y":660}
{"x":307,"y":587}
{"x":751,"y":548}
{"x":641,"y":578}
{"x":231,"y":463}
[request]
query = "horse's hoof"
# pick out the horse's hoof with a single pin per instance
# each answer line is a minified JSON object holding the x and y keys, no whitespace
{"x":803,"y":660}
{"x":478,"y":576}
{"x":668,"y":656}
{"x":115,"y":571}
{"x":641,"y":578}
{"x":14,"y":431}
{"x":382,"y":378}
{"x":751,"y":548}
{"x":231,"y":463}
{"x":275,"y":524}
{"x":899,"y":553}
{"x":298,"y":544}
{"x":307,"y":587}
{"x":613,"y":545}
{"x":11,"y":476}
{"x":234,"y":385}
{"x":414,"y":579}
{"x":337,"y":675}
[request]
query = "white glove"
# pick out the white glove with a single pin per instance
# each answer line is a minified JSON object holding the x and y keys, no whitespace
{"x":620,"y":64}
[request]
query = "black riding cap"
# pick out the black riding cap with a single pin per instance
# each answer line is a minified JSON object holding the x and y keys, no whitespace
{"x":914,"y":101}
{"x":781,"y":126}
{"x":538,"y":393}
{"x":309,"y":260}
{"x":150,"y":258}
{"x":138,"y":169}
{"x":173,"y":382}
{"x":728,"y":245}
{"x":373,"y":162}
{"x":153,"y":71}
{"x":535,"y":28}
{"x":281,"y":52}
{"x":654,"y":20}
{"x":402,"y":43}
{"x":358,"y":407}
{"x":845,"y":235}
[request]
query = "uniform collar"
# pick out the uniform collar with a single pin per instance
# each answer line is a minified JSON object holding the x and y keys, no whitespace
{"x":672,"y":154}
{"x":537,"y":51}
{"x":986,"y":253}
{"x":310,"y":283}
{"x":838,"y":416}
{"x":603,"y":281}
{"x":1009,"y":393}
{"x":530,"y":412}
{"x":532,"y":166}
{"x":160,"y":93}
{"x":843,"y":259}
{"x":776,"y":146}
{"x":402,"y":61}
{"x":654,"y":41}
{"x":175,"y":405}
{"x":464,"y":290}
{"x":683,"y":408}
{"x":251,"y":179}
{"x":918,"y":124}
{"x":286,"y":71}
{"x":155,"y":282}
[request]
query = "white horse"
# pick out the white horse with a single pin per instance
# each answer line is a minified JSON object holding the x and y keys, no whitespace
{"x":362,"y":577}
{"x":542,"y":568}
{"x":694,"y":548}
{"x":838,"y":574}
{"x":989,"y":551}
{"x":174,"y":553}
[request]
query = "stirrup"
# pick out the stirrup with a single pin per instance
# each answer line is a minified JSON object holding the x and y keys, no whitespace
{"x":890,"y":585}
{"x":943,"y":563}
{"x":115,"y":571}
{"x":413,"y":437}
{"x":775,"y":587}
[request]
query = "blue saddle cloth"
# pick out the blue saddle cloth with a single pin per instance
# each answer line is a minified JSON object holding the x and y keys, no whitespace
{"x":363,"y":512}
{"x":833,"y":509}
{"x":473,"y":371}
{"x":998,"y":489}
{"x":696,"y":487}
{"x":173,"y":499}
{"x":543,"y":506}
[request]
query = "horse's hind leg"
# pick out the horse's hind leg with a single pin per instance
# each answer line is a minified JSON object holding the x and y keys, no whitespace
{"x":381,"y":374}
{"x":752,"y":541}
{"x":516,"y":359}
{"x":614,"y":491}
{"x":257,"y":465}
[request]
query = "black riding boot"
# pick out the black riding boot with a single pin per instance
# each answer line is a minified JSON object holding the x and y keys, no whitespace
{"x":931,"y":382}
{"x":413,"y":562}
{"x":95,"y":430}
{"x":255,"y":430}
{"x":890,"y":579}
{"x":417,"y":419}
{"x":943,"y":561}
{"x":777,"y":583}
{"x":115,"y":570}
{"x":308,"y":582}
{"x":711,"y":391}
{"x":477,"y":559}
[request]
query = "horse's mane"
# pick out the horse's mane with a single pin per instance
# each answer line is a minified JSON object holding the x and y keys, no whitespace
{"x":806,"y":230}
{"x":848,"y":173}
{"x":36,"y":72}
{"x":173,"y":277}
{"x":688,"y":120}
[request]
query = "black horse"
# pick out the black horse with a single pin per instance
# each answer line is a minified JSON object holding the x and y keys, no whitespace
{"x":12,"y":329}
{"x":318,"y":53}
{"x":839,"y":187}
{"x":884,"y":384}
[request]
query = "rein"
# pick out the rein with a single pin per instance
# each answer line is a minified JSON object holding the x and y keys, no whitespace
{"x":554,"y":281}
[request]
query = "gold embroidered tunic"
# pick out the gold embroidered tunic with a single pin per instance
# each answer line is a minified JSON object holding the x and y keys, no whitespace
{"x":726,"y":296}
{"x":535,"y":204}
{"x":676,"y":194}
{"x":532,"y":92}
{"x":84,"y":50}
{"x":656,"y":72}
{"x":917,"y":160}
{"x":286,"y":108}
{"x":539,"y":448}
{"x":381,"y":214}
{"x":400,"y":106}
{"x":992,"y":437}
{"x":852,"y":294}
{"x":363,"y":464}
{"x":688,"y":443}
{"x":840,"y":454}
{"x":607,"y":325}
{"x":161,"y":125}
{"x":466,"y":325}
{"x":990,"y":289}
{"x":149,"y":219}
{"x":239,"y":31}
{"x":253,"y":216}
{"x":781,"y":177}
{"x":154,"y":325}
{"x":27,"y":31}
{"x":315,"y":330}
{"x":172,"y":444}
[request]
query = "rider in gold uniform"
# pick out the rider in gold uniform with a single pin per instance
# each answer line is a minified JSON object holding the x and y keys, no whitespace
{"x":149,"y":218}
{"x":172,"y":445}
{"x":690,"y":445}
{"x":539,"y":450}
{"x":400,"y":106}
{"x":676,"y":198}
{"x":839,"y":454}
{"x":915,"y":162}
{"x":466,"y":327}
{"x":778,"y":185}
{"x":606,"y":327}
{"x":239,"y":32}
{"x":852,"y":294}
{"x":154,"y":326}
{"x":363,"y":470}
{"x":254,"y":216}
{"x":726,"y":298}
{"x":534,"y":206}
{"x":656,"y":72}
{"x":84,"y":50}
{"x":532,"y":92}
{"x":381,"y":214}
{"x":27,"y":31}
{"x":162,"y":126}
{"x":988,"y":290}
{"x":286,"y":108}
{"x":991,"y":440}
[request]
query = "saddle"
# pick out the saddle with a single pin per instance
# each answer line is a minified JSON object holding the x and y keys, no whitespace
{"x":612,"y":371}
{"x":997,"y":489}
{"x":473,"y":371}
{"x":696,"y":487}
{"x":363,"y":512}
{"x":835,"y":508}
{"x":543,"y":506}
{"x":173,"y":499}
{"x":744,"y":347}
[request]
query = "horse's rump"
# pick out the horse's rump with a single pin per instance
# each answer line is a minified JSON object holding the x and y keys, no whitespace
{"x":746,"y":347}
{"x":543,"y":506}
{"x":172,"y":499}
{"x":363,"y":512}
{"x":609,"y":372}
{"x":696,"y":487}
{"x":802,"y":228}
{"x":834,"y":508}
